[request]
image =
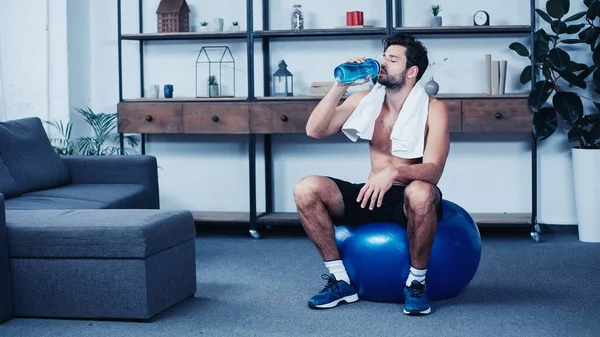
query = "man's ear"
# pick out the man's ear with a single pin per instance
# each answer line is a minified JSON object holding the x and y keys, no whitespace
{"x":413,"y":72}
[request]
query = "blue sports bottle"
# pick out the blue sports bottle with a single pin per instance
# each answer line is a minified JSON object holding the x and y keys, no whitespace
{"x":350,"y":72}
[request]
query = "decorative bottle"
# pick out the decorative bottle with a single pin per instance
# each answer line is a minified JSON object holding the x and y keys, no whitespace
{"x":297,"y":18}
{"x":432,"y":87}
{"x":350,"y":72}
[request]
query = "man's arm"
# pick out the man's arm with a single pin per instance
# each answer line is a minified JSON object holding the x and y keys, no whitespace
{"x":437,"y":146}
{"x":328,"y":118}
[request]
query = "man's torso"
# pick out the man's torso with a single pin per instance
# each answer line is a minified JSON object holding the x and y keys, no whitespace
{"x":380,"y":146}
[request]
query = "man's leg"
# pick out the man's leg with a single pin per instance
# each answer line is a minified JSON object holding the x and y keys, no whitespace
{"x":420,"y":204}
{"x":319,"y":200}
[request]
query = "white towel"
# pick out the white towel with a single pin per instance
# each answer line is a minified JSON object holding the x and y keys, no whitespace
{"x":408,"y":133}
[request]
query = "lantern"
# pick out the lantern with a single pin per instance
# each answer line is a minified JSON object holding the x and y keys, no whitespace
{"x":283,"y":81}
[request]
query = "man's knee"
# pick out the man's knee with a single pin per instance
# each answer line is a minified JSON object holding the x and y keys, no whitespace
{"x":420,"y":196}
{"x":307,"y":190}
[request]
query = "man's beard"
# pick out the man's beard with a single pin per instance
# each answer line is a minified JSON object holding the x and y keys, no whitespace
{"x":393,"y":83}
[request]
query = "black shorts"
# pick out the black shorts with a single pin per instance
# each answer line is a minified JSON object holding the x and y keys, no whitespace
{"x":391,"y":210}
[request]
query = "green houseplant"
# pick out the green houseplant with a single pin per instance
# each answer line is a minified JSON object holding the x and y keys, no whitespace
{"x":104,"y":139}
{"x":560,"y":89}
{"x":213,"y":86}
{"x":436,"y":19}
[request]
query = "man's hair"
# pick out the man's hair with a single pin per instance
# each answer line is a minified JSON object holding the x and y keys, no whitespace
{"x":416,"y":53}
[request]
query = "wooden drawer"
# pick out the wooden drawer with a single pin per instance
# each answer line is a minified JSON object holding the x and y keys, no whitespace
{"x":496,"y":115}
{"x":454,"y":108}
{"x":280,"y":117}
{"x":149,"y":117}
{"x":225,"y":117}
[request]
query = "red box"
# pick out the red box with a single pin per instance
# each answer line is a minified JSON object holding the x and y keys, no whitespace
{"x":361,"y":19}
{"x":348,"y":18}
{"x":354,"y":18}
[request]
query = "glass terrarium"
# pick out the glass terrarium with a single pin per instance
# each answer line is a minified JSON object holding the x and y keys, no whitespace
{"x":215,"y":72}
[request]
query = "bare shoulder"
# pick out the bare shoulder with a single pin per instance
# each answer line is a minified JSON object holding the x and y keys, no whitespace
{"x":438,"y":113}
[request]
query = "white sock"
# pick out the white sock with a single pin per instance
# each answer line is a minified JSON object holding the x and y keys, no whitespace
{"x":415,"y":274}
{"x":336,"y":267}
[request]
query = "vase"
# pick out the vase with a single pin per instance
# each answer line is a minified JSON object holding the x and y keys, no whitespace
{"x":213,"y":90}
{"x":436,"y":21}
{"x":432,"y":87}
{"x":586,"y":183}
{"x":235,"y":28}
{"x":168,"y":91}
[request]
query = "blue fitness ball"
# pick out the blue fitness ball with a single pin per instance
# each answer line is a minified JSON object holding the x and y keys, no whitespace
{"x":376,"y":256}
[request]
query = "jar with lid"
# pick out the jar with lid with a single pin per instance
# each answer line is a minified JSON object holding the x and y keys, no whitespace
{"x":297,"y":18}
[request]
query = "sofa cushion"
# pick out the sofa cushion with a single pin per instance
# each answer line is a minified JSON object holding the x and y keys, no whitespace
{"x":110,"y":233}
{"x":25,"y":202}
{"x":29,"y":156}
{"x":8,"y":186}
{"x":112,"y":195}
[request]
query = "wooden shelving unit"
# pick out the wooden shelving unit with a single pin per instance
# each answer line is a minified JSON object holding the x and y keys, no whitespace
{"x":252,"y":115}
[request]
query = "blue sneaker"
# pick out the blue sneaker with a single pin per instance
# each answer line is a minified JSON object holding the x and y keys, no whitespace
{"x":416,"y":302}
{"x":334,"y":293}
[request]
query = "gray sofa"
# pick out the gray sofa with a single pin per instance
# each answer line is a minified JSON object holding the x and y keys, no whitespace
{"x":81,"y":203}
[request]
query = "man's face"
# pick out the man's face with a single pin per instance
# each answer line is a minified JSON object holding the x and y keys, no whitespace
{"x":393,"y":68}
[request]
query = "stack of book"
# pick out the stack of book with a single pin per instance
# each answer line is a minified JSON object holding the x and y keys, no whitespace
{"x":319,"y":88}
{"x":495,"y":76}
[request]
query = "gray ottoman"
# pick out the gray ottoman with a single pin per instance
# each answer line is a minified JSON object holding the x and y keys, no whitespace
{"x":101,"y":264}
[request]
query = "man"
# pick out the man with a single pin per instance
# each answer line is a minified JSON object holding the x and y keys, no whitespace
{"x":397,"y":190}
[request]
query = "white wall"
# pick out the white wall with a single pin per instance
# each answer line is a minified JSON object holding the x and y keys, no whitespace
{"x":484,"y":173}
{"x":44,"y":66}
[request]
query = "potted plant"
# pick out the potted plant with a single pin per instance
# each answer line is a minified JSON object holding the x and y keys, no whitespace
{"x":236,"y":26}
{"x":104,"y":139}
{"x":203,"y":26}
{"x":558,"y":95}
{"x":213,"y":87}
{"x":436,"y":20}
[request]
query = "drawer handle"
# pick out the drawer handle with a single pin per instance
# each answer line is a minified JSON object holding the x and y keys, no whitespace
{"x":498,"y":115}
{"x":215,"y":119}
{"x":149,"y":118}
{"x":284,"y":118}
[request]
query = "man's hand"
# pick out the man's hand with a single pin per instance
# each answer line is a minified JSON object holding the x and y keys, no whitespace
{"x":376,"y":187}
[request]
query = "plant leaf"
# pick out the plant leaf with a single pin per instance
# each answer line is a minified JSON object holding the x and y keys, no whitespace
{"x":570,"y":41}
{"x":555,"y":9}
{"x":589,"y":35}
{"x":576,"y":16}
{"x":566,"y":5}
{"x":559,"y":59}
{"x":568,"y":106}
{"x":584,"y":74}
{"x":543,"y":15}
{"x":596,"y":55}
{"x":596,"y":79}
{"x":519,"y":48}
{"x":558,"y":27}
{"x":576,"y":134}
{"x":573,"y":79}
{"x":525,"y":75}
{"x":544,"y":123}
{"x":592,"y":10}
{"x":572,"y":29}
{"x":539,"y":94}
{"x":574,"y":66}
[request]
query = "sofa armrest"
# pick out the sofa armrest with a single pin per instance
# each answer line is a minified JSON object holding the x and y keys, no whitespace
{"x":6,"y":302}
{"x":117,"y":169}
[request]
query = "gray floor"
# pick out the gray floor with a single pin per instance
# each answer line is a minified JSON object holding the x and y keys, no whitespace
{"x":259,"y":288}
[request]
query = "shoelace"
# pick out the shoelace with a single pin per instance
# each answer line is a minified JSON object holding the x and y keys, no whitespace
{"x":331,"y":283}
{"x":416,"y":290}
